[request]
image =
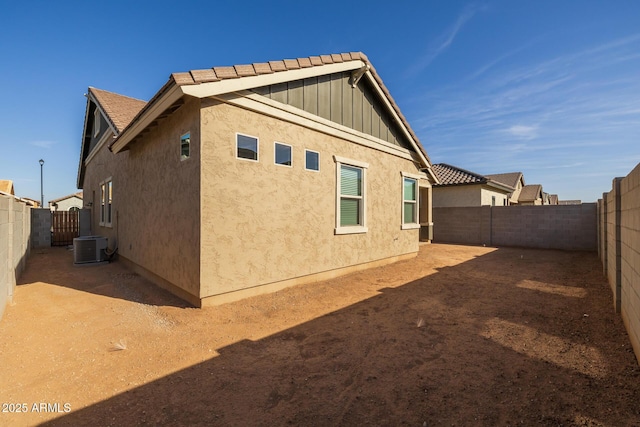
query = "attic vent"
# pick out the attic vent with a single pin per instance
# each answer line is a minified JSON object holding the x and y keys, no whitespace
{"x":89,"y":249}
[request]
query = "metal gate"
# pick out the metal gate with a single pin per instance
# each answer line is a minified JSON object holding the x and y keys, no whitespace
{"x":65,"y":226}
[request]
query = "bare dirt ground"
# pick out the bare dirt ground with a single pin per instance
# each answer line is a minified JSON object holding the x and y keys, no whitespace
{"x":458,"y":336}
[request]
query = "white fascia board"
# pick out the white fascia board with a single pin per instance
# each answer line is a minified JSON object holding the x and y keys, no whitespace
{"x":205,"y":90}
{"x":158,"y":107}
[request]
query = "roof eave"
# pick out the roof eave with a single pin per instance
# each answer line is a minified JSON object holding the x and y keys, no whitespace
{"x":167,"y":96}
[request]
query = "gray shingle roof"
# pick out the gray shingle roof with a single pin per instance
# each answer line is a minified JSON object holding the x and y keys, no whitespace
{"x":510,"y":179}
{"x":530,"y":193}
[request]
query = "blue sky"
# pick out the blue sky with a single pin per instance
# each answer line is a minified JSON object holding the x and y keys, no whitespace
{"x":548,"y":88}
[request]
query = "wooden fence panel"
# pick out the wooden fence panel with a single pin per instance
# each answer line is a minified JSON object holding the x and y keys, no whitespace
{"x":65,"y":227}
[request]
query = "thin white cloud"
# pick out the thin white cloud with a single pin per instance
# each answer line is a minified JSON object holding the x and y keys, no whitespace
{"x":523,"y":132}
{"x":442,"y":42}
{"x":42,"y":144}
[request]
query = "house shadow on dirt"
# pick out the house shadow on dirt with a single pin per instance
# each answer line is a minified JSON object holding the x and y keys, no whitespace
{"x":55,"y":266}
{"x":511,"y":337}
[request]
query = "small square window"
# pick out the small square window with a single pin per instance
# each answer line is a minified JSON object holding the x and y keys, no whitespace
{"x":311,"y":160}
{"x":247,"y":147}
{"x":283,"y":154}
{"x":185,"y":142}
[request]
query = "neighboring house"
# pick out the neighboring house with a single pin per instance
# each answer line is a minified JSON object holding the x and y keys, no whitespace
{"x":514,"y":180}
{"x":66,"y":203}
{"x":531,"y":195}
{"x":553,"y":199}
{"x":460,"y":187}
{"x":6,"y":186}
{"x":570,"y":202}
{"x":235,"y":181}
{"x":31,"y":202}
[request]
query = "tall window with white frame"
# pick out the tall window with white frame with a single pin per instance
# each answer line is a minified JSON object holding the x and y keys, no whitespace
{"x":409,"y":202}
{"x":185,"y":146}
{"x":106,"y":201}
{"x":351,"y":196}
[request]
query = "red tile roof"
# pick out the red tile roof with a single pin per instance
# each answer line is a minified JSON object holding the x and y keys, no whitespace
{"x":195,"y":77}
{"x":451,"y":175}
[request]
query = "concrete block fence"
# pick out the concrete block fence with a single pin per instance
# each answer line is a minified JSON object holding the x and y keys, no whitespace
{"x":619,"y":249}
{"x":15,"y":229}
{"x":569,"y":227}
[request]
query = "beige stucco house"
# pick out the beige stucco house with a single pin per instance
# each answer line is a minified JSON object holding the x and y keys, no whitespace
{"x":514,"y":180}
{"x":235,"y":181}
{"x":459,"y":187}
{"x":66,"y":203}
{"x":531,"y":195}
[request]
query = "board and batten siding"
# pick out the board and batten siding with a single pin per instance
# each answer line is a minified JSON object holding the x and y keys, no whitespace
{"x":333,"y":98}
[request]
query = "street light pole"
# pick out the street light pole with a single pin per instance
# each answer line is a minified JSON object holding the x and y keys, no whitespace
{"x":41,"y":187}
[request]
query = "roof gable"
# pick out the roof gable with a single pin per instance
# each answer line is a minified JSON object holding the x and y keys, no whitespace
{"x":114,"y":110}
{"x":119,"y":110}
{"x":223,"y":80}
{"x":511,"y":178}
{"x":530,"y":193}
{"x":6,"y":186}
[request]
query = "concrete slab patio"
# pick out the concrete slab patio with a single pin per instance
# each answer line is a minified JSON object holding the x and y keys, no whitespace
{"x":457,"y":336}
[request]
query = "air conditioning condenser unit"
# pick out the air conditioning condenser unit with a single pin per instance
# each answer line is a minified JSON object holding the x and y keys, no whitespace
{"x":89,"y":250}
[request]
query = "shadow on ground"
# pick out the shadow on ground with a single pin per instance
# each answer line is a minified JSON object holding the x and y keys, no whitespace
{"x":121,"y":284}
{"x":514,"y":336}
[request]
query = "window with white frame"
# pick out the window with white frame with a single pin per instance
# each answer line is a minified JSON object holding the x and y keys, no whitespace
{"x":311,"y":160}
{"x":246,"y":147}
{"x":106,"y":200}
{"x":410,"y":191}
{"x":282,"y":154}
{"x":185,"y":146}
{"x":351,"y":196}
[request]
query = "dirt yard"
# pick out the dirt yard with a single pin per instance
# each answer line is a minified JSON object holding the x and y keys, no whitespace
{"x":458,"y":336}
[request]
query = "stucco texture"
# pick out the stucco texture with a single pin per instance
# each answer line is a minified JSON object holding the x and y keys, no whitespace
{"x":156,"y":200}
{"x":264,"y":223}
{"x":466,"y":195}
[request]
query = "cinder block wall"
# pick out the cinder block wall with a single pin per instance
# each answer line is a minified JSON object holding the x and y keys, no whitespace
{"x":464,"y":225}
{"x":569,"y":227}
{"x":620,"y":255}
{"x":15,"y":226}
{"x":40,"y":228}
{"x":630,"y":256}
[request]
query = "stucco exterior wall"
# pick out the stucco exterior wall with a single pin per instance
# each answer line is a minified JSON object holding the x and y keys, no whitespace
{"x":487,"y":194}
{"x":264,"y":223}
{"x":156,"y":200}
{"x":66,"y":204}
